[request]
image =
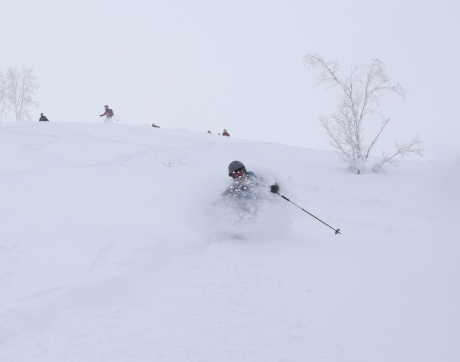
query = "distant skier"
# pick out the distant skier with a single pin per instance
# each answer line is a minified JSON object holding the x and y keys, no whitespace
{"x":154,"y":125}
{"x":43,"y":118}
{"x":225,"y":133}
{"x":209,"y":131}
{"x":108,"y":114}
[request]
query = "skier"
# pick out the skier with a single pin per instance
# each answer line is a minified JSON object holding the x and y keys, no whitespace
{"x":108,"y":114}
{"x":225,"y":133}
{"x":244,"y":182}
{"x":246,"y":190}
{"x":154,"y":125}
{"x":43,"y":118}
{"x":242,"y":187}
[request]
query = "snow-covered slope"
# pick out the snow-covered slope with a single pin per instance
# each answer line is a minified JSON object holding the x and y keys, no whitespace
{"x":112,"y":249}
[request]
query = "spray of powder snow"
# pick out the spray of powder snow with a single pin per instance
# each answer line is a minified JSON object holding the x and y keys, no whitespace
{"x":264,"y":217}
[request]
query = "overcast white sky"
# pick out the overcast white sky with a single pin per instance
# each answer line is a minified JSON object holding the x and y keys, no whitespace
{"x":202,"y":65}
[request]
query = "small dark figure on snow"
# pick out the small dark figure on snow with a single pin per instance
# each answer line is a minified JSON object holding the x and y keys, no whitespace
{"x":225,"y":133}
{"x":209,"y":131}
{"x":43,"y":118}
{"x":108,"y":114}
{"x":154,"y":125}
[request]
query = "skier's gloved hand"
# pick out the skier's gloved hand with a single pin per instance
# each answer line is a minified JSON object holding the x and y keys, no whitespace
{"x":274,"y":188}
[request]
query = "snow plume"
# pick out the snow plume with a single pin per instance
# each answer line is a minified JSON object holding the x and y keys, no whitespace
{"x":115,"y":245}
{"x":215,"y":217}
{"x":261,"y":219}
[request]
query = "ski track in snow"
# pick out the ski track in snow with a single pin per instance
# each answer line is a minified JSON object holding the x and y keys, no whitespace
{"x":114,"y":246}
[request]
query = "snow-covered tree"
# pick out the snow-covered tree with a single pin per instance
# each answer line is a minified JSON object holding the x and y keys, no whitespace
{"x":360,"y":93}
{"x":3,"y":103}
{"x":20,"y":89}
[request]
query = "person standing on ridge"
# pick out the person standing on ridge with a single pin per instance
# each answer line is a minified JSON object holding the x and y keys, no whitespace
{"x":225,"y":133}
{"x":43,"y":118}
{"x":108,"y":114}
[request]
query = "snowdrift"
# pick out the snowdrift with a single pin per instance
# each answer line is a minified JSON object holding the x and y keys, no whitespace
{"x":112,"y":248}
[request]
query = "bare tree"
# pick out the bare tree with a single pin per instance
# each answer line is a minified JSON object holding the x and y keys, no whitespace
{"x":361,"y":91}
{"x":3,"y":103}
{"x":20,"y":89}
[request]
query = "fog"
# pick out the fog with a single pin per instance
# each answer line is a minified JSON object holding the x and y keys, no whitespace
{"x":210,"y":65}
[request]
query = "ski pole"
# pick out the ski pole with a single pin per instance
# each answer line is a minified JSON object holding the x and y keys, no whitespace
{"x":275,"y":189}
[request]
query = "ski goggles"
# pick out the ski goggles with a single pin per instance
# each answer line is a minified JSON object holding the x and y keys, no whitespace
{"x":238,"y":173}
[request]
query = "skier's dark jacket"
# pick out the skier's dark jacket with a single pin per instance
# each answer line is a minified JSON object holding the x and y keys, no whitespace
{"x":108,"y":113}
{"x":243,"y":190}
{"x":43,"y":119}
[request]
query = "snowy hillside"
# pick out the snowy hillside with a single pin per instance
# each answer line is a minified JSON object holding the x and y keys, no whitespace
{"x":113,"y":247}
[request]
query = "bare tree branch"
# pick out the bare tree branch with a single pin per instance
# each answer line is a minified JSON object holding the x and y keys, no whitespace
{"x":3,"y":100}
{"x":361,"y":91}
{"x":415,"y":146}
{"x":20,"y":89}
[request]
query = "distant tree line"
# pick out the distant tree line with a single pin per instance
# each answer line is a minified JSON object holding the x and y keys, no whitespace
{"x":17,"y":91}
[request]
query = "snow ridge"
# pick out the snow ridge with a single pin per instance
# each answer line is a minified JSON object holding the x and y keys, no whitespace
{"x":114,"y":246}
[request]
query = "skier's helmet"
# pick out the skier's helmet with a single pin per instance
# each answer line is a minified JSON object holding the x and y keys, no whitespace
{"x":235,"y":166}
{"x":106,"y":106}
